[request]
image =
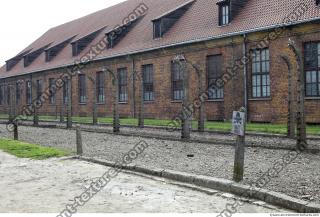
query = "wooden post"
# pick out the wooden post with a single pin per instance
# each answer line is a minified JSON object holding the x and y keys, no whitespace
{"x":239,"y":159}
{"x":79,"y":141}
{"x":35,"y":116}
{"x":69,"y":108}
{"x":15,"y":131}
{"x":239,"y":126}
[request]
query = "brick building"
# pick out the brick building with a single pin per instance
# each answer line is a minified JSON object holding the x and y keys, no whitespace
{"x":139,"y":39}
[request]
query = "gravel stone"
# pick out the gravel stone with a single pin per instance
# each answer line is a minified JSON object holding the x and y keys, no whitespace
{"x":298,"y":179}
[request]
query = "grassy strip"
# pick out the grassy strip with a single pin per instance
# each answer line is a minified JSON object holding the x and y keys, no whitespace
{"x":209,"y":125}
{"x":25,"y":150}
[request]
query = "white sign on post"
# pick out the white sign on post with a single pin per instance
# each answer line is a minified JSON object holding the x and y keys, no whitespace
{"x":238,"y":122}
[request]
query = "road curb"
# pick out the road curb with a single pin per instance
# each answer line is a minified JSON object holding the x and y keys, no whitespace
{"x":273,"y":198}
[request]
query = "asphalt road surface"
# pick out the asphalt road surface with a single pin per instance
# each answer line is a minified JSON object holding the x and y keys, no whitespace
{"x":48,"y":186}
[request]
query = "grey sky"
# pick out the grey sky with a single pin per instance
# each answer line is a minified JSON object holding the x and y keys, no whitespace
{"x":22,"y":22}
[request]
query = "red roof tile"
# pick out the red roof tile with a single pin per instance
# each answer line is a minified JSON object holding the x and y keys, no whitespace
{"x":200,"y":22}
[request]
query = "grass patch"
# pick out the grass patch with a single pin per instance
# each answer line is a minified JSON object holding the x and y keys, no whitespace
{"x":209,"y":125}
{"x":25,"y":150}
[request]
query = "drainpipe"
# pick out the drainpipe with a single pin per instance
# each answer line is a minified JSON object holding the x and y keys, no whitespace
{"x":245,"y":82}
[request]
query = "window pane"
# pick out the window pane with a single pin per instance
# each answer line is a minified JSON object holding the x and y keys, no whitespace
{"x":308,"y":77}
{"x":258,"y":67}
{"x":264,"y":67}
{"x":254,"y":80}
{"x":308,"y":90}
{"x":264,"y":91}
{"x":314,"y":77}
{"x":147,"y":71}
{"x":100,"y":87}
{"x":261,"y":66}
{"x":267,"y":56}
{"x":254,"y":91}
{"x":123,"y":93}
{"x":215,"y":65}
{"x":314,"y":90}
{"x":258,"y":80}
{"x":311,"y":55}
{"x":177,"y":82}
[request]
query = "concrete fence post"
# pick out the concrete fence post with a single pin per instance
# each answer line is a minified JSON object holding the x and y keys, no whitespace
{"x":94,"y":103}
{"x":301,"y":122}
{"x":187,"y":115}
{"x":141,"y":108}
{"x":116,"y":117}
{"x":79,"y":141}
{"x":61,"y":107}
{"x":69,"y":106}
{"x":291,"y":113}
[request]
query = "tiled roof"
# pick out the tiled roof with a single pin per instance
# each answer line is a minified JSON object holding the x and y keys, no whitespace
{"x":200,"y":22}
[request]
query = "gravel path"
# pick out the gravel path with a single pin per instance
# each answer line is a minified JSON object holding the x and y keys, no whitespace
{"x":300,"y":179}
{"x":251,"y":140}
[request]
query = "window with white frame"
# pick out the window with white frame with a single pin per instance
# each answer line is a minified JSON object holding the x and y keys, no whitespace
{"x":224,"y":13}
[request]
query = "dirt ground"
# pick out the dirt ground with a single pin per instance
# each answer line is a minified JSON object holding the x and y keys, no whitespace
{"x":48,"y":186}
{"x":300,"y":179}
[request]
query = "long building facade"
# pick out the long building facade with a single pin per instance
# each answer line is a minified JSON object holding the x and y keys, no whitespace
{"x":235,"y":50}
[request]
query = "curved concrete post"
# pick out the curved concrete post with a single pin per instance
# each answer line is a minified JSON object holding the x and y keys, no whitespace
{"x":301,"y":124}
{"x":291,"y":111}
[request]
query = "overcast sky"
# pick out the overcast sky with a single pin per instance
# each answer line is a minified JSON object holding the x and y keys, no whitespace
{"x":23,"y":21}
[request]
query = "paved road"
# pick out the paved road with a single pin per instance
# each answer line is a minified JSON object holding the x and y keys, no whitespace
{"x":47,"y":186}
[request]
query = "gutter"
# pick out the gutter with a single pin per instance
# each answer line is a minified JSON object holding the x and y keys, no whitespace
{"x":179,"y":44}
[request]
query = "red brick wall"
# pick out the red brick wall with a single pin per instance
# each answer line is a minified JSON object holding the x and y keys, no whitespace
{"x":273,"y":109}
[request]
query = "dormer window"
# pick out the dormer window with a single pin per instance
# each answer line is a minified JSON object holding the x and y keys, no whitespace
{"x":53,"y":51}
{"x":157,"y":33}
{"x":15,"y":60}
{"x":30,"y":57}
{"x":163,"y":23}
{"x":224,"y":13}
{"x":116,"y":35}
{"x":79,"y":45}
{"x":317,"y":2}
